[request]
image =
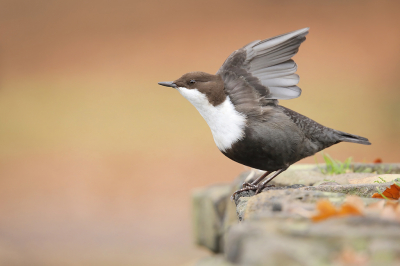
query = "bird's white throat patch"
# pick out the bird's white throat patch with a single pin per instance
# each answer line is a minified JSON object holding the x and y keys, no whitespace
{"x":226,"y":124}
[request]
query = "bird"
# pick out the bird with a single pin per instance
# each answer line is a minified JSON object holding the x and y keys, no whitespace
{"x":240,"y":105}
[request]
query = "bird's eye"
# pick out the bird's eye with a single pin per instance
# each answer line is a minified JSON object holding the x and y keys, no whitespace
{"x":192,"y":81}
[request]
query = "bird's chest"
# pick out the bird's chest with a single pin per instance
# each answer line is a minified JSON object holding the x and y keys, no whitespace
{"x":267,"y":146}
{"x":227,"y":125}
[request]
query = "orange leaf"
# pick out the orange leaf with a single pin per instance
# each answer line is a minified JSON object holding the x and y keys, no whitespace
{"x":392,"y":192}
{"x":327,"y":210}
{"x":348,"y":209}
{"x":378,"y":160}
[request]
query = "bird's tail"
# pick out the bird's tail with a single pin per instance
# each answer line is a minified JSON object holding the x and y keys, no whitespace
{"x":346,"y":137}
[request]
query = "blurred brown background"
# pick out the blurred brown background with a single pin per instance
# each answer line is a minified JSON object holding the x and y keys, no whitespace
{"x":97,"y":162}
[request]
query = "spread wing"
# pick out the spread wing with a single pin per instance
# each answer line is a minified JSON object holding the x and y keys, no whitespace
{"x":265,"y":67}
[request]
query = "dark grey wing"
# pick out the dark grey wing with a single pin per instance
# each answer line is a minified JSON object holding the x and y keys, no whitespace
{"x":267,"y":66}
{"x":243,"y":95}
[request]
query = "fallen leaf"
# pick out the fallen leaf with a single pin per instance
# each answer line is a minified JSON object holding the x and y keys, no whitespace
{"x":376,"y":206}
{"x":327,"y":210}
{"x":391,"y":211}
{"x":353,"y":205}
{"x":388,"y":213}
{"x":392,"y":204}
{"x":378,"y":160}
{"x":397,"y":211}
{"x":384,"y":209}
{"x":348,"y":209}
{"x":392,"y":192}
{"x":356,"y":202}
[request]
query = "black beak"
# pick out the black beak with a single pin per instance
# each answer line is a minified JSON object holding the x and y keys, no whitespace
{"x":167,"y":84}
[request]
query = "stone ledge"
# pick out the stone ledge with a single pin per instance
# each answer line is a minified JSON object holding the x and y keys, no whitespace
{"x":269,"y":228}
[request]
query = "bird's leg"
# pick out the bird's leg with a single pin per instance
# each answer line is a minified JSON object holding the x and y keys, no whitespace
{"x":251,"y":186}
{"x":255,"y":182}
{"x":262,"y":185}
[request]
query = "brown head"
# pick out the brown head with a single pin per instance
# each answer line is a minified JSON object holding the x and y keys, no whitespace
{"x":212,"y":86}
{"x":206,"y":92}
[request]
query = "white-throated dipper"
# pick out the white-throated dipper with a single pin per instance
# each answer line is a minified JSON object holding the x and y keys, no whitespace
{"x":240,"y":105}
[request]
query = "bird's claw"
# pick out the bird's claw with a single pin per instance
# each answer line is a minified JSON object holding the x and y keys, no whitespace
{"x":248,"y":186}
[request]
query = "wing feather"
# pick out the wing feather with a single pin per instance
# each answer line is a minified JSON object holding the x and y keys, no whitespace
{"x":266,"y":66}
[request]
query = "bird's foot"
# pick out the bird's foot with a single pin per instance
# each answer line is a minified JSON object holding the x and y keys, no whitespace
{"x":248,"y":186}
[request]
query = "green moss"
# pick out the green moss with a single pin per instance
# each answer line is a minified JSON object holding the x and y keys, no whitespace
{"x":334,"y":167}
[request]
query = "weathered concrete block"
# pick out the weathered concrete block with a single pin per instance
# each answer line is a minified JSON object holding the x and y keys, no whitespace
{"x":209,"y":205}
{"x":260,"y":243}
{"x":289,"y":241}
{"x":274,"y":227}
